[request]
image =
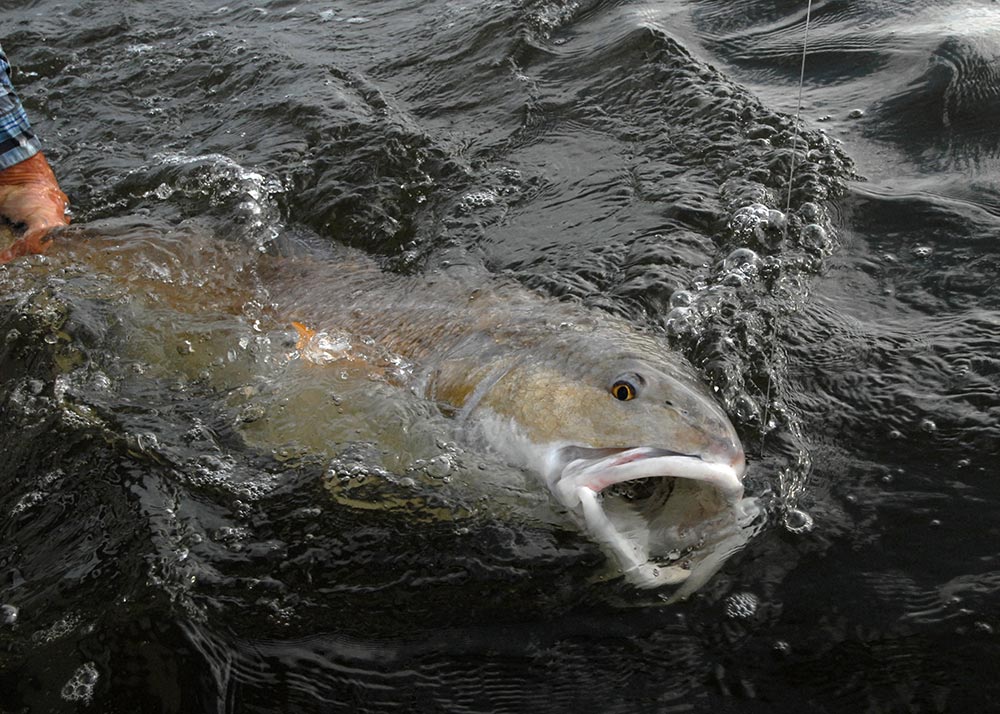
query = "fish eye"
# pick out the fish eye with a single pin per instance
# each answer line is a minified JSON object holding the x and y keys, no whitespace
{"x":623,"y":391}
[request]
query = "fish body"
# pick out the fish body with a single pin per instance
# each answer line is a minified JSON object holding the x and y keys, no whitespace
{"x":589,"y":402}
{"x":617,"y":426}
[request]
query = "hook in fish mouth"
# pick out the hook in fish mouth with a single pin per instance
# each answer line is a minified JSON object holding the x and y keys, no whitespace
{"x":587,"y":472}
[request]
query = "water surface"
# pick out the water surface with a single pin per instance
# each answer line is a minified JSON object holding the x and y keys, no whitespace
{"x":177,"y":537}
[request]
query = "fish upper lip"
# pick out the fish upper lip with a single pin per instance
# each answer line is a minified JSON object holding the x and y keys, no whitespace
{"x":599,"y":468}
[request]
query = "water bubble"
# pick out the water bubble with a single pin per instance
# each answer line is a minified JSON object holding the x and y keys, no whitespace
{"x":745,"y":409}
{"x":681,"y":298}
{"x":856,"y":114}
{"x":679,"y":321}
{"x":798,"y":521}
{"x":742,"y":606}
{"x":60,"y":628}
{"x":185,"y":347}
{"x":163,"y":192}
{"x":735,"y":280}
{"x":27,"y":501}
{"x":80,"y":687}
{"x":928,"y":426}
{"x":781,"y":648}
{"x":8,"y":615}
{"x":743,"y":260}
{"x":745,"y":220}
{"x":438,"y":467}
{"x":922,"y":251}
{"x":811,"y":212}
{"x":479,"y":199}
{"x":251,"y":413}
{"x":814,"y":235}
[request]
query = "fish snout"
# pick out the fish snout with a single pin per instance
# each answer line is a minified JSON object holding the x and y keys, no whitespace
{"x":728,"y":452}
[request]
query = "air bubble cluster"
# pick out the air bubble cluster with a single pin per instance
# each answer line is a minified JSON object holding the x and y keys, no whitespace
{"x":80,"y":687}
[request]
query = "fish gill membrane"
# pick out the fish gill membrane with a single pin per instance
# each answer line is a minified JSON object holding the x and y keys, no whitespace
{"x":621,"y":431}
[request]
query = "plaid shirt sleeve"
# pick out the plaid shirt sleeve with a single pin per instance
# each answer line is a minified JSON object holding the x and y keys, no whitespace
{"x":17,"y":141}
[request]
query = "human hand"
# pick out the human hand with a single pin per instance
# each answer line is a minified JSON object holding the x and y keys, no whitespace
{"x":30,"y":194}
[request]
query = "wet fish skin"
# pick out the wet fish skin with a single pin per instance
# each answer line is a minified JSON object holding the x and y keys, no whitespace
{"x":548,"y":366}
{"x":533,"y":379}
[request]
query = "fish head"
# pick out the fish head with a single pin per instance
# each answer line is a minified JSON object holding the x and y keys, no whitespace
{"x":629,"y":439}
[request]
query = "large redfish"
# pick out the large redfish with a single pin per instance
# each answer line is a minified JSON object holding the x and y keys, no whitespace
{"x":617,"y":425}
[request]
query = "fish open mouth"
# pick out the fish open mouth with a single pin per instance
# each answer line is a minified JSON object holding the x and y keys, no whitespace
{"x":630,"y":499}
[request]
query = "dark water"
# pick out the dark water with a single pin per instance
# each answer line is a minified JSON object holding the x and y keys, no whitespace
{"x":159,"y":555}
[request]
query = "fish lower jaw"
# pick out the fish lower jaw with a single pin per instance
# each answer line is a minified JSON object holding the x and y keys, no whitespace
{"x":635,"y":564}
{"x":578,"y":485}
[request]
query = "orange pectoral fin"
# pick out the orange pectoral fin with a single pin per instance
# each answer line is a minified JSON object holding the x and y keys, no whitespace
{"x":305,"y":334}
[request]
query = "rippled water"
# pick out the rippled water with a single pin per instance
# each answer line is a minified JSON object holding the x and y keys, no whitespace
{"x":191,"y":524}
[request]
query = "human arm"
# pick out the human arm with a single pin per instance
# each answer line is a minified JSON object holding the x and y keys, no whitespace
{"x":29,"y":191}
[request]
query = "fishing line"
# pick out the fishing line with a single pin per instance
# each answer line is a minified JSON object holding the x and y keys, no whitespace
{"x":788,"y":209}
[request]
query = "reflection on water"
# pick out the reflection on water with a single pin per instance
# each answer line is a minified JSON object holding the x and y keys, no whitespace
{"x":177,"y":536}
